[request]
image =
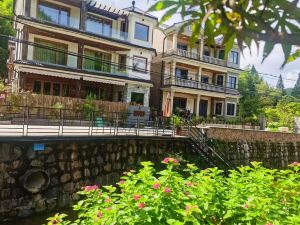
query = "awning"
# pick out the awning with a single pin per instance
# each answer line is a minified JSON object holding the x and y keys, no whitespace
{"x":67,"y":75}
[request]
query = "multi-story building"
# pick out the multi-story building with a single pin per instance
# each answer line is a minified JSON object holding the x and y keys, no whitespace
{"x":75,"y":48}
{"x":198,"y":79}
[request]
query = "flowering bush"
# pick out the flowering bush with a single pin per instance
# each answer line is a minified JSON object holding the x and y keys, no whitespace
{"x":249,"y":195}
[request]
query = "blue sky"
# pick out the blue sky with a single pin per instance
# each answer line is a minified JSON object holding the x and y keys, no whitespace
{"x":272,"y":65}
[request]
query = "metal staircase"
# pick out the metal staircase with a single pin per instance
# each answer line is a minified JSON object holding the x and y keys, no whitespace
{"x":200,"y":144}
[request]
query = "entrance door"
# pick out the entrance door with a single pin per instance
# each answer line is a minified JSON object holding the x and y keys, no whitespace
{"x":203,"y":108}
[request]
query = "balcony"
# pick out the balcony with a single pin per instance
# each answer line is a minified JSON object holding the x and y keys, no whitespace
{"x":59,"y":57}
{"x":199,"y":85}
{"x":196,"y":56}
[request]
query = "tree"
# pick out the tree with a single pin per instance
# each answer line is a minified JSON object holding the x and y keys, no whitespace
{"x":256,"y":94}
{"x":280,"y":85}
{"x":275,"y":22}
{"x":296,"y":89}
{"x":6,"y":28}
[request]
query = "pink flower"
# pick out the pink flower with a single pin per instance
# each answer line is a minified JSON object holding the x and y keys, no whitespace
{"x":187,"y":207}
{"x":156,"y":185}
{"x":100,"y":214}
{"x":189,"y":184}
{"x":141,"y":205}
{"x":136,"y":197}
{"x":100,"y":194}
{"x":295,"y":164}
{"x":245,"y":206}
{"x":121,"y":181}
{"x":107,"y":200}
{"x":91,"y":188}
{"x":170,"y":160}
{"x":108,"y":209}
{"x":167,"y":190}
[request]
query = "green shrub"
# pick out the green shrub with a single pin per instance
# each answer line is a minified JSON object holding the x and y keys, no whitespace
{"x":249,"y":195}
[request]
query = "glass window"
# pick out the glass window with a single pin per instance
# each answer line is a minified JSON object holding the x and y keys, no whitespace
{"x":139,"y":64}
{"x":220,"y":80}
{"x":232,"y":82}
{"x":120,"y":96}
{"x":122,"y":62}
{"x":234,"y":57}
{"x":53,"y":14}
{"x":65,"y":90}
{"x":43,"y":54}
{"x":230,"y":109}
{"x":218,"y":110}
{"x":99,"y":26}
{"x":141,"y":32}
{"x":137,"y":98}
{"x":56,"y":89}
{"x":179,"y":103}
{"x":37,"y":87}
{"x":222,"y":54}
{"x":206,"y":51}
{"x":98,"y":61}
{"x":182,"y":46}
{"x":204,"y":79}
{"x":181,"y":73}
{"x":47,"y":88}
{"x":103,"y":94}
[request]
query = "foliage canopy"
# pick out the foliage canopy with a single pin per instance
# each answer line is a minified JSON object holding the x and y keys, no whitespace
{"x":275,"y":22}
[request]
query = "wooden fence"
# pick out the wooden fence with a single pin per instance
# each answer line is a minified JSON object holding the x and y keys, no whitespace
{"x":35,"y":100}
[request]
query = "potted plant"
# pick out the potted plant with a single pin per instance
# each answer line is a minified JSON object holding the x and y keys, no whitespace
{"x":177,"y":122}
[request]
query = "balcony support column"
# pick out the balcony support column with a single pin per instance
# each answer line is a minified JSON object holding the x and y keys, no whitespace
{"x":173,"y":72}
{"x":199,"y":76}
{"x":197,"y":105}
{"x":172,"y":92}
{"x":175,"y":39}
{"x":83,"y":15}
{"x":80,"y":54}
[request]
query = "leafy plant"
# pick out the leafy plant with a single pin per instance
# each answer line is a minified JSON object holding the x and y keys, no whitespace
{"x":89,"y":105}
{"x":275,"y":22}
{"x":249,"y":195}
{"x":176,"y":121}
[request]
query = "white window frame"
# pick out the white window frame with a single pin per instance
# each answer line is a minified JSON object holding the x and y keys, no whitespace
{"x":235,"y":108}
{"x":224,"y":79}
{"x":238,"y":57}
{"x":222,"y":109}
{"x":236,"y":81}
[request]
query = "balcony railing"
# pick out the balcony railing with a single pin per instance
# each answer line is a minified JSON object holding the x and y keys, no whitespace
{"x":199,"y":85}
{"x":196,"y":56}
{"x":111,"y":33}
{"x":69,"y":21}
{"x":60,"y":57}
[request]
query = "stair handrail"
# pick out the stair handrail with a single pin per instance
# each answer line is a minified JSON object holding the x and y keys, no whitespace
{"x":198,"y":136}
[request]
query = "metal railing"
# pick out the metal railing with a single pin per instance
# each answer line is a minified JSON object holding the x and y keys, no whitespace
{"x":204,"y":58}
{"x":199,"y":85}
{"x":40,"y":121}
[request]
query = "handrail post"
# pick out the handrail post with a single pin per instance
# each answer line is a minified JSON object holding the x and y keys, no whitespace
{"x":117,"y":124}
{"x":62,"y":122}
{"x":59,"y":123}
{"x":27,"y":121}
{"x":24,"y":120}
{"x":138,"y":126}
{"x":91,"y":124}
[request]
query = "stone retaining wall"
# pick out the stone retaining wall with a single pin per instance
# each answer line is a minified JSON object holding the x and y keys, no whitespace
{"x":32,"y":182}
{"x":240,"y":147}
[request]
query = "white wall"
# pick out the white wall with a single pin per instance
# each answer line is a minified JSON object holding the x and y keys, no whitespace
{"x":137,"y":89}
{"x":133,"y":19}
